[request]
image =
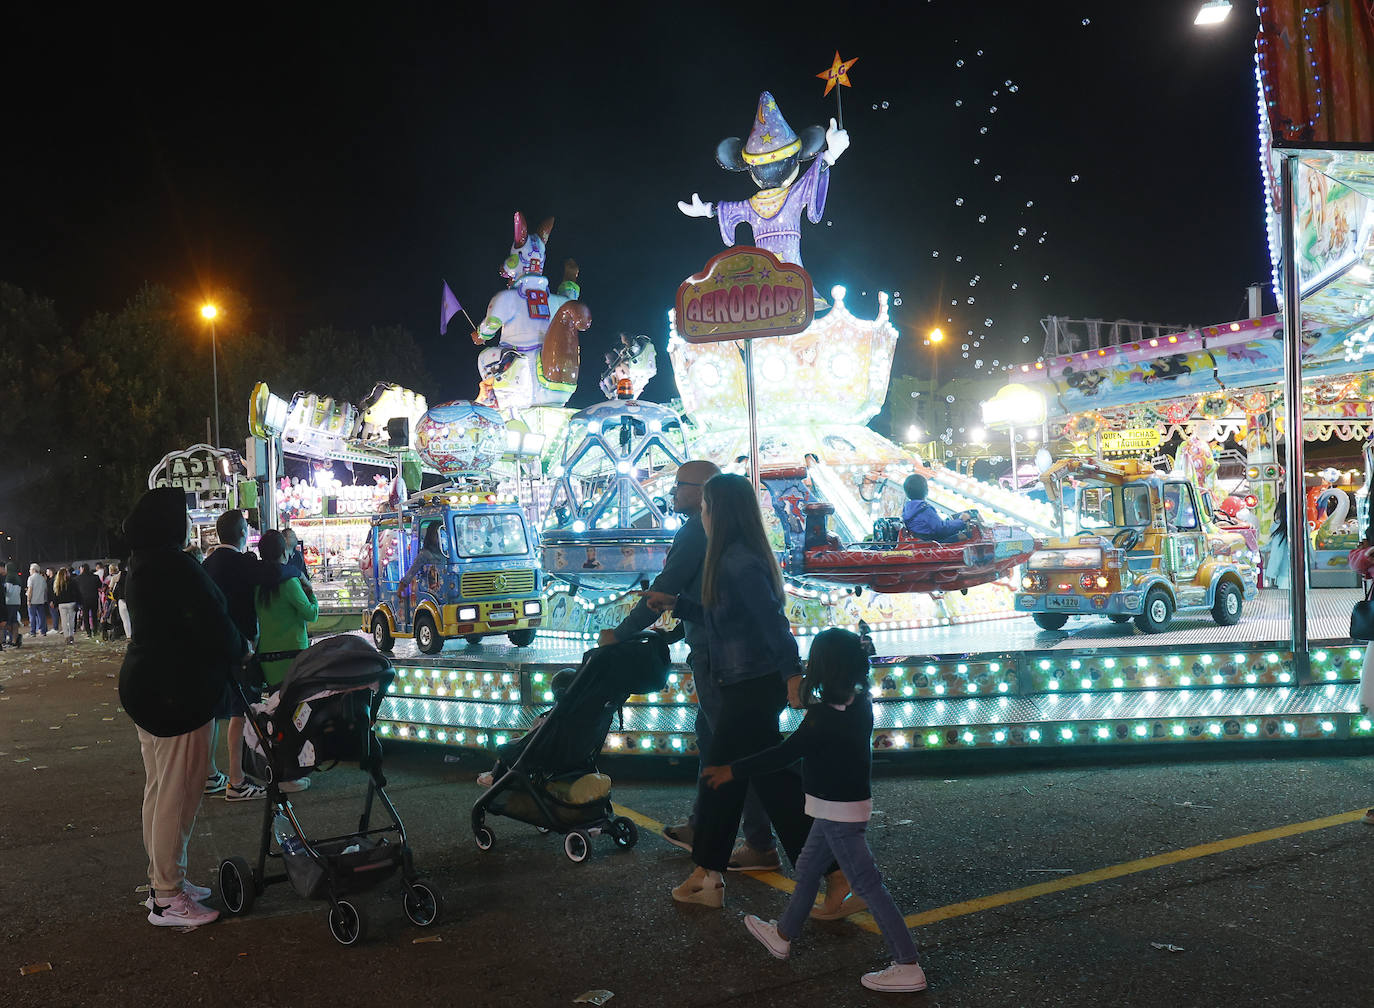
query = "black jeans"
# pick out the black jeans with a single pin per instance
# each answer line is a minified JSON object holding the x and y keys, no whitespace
{"x":748,"y":724}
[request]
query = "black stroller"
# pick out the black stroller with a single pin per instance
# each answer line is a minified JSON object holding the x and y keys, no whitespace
{"x":324,"y":713}
{"x":561,"y":751}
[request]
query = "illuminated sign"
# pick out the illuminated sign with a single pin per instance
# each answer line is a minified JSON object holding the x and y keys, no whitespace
{"x":744,"y":292}
{"x":1130,"y":441}
{"x":198,"y":469}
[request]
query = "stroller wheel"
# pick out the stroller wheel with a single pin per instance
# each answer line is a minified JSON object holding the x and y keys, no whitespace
{"x":577,"y":846}
{"x":347,"y":923}
{"x":237,"y":887}
{"x":485,"y":838}
{"x":423,"y":904}
{"x":624,"y":832}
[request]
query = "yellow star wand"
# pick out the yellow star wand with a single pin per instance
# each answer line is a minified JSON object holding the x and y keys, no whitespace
{"x":838,"y":73}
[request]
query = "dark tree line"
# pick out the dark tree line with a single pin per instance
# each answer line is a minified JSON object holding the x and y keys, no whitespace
{"x":88,"y":410}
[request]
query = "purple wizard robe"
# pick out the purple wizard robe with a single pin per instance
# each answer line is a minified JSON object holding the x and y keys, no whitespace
{"x":775,"y":214}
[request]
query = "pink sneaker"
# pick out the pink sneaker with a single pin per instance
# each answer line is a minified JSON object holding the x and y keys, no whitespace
{"x":767,"y":934}
{"x":181,"y":911}
{"x":199,"y":893}
{"x":899,"y":978}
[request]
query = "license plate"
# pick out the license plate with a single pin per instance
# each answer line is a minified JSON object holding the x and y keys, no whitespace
{"x":1069,"y":602}
{"x":500,"y":615}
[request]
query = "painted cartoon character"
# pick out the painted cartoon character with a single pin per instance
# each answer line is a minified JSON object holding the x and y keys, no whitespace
{"x":773,"y":155}
{"x":1085,"y":382}
{"x":535,"y":362}
{"x":1169,"y":368}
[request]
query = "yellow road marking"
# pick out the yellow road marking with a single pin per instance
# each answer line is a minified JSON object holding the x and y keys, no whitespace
{"x":1127,"y":868}
{"x":866,"y":922}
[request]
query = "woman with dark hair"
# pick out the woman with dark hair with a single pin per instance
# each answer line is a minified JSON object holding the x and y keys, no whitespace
{"x":175,"y":670}
{"x":755,"y":663}
{"x":1277,"y":555}
{"x":285,"y":610}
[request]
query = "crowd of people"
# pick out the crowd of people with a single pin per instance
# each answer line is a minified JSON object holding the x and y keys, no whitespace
{"x":89,"y":597}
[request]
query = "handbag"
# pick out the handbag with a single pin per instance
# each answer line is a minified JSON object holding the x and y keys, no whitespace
{"x":1362,"y":617}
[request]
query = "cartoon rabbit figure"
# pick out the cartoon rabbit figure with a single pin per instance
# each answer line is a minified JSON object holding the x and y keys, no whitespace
{"x":535,"y":363}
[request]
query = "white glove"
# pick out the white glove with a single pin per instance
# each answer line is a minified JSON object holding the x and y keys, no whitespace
{"x":836,"y":143}
{"x":696,"y":208}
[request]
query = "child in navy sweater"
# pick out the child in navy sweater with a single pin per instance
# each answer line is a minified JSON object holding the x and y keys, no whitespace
{"x":835,"y":744}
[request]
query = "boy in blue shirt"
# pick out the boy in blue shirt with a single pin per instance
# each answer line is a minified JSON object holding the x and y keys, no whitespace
{"x":922,"y":520}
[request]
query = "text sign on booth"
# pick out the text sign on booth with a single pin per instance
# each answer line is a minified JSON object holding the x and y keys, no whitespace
{"x":742,"y":293}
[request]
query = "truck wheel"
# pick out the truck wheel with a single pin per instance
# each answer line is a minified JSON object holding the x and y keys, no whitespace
{"x":1049,"y":621}
{"x":521,"y":638}
{"x":381,"y":632}
{"x":1158,"y":611}
{"x":1227,"y":607}
{"x":1119,"y":618}
{"x":427,"y":637}
{"x":473,"y":638}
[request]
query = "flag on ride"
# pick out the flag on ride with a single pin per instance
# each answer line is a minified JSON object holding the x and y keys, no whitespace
{"x":448,"y":307}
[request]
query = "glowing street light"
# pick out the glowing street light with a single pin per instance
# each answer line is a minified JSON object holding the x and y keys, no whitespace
{"x":209,"y":312}
{"x":1213,"y":12}
{"x":935,"y":338}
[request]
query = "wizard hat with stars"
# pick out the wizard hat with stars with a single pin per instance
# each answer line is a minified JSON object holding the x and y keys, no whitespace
{"x":770,"y":140}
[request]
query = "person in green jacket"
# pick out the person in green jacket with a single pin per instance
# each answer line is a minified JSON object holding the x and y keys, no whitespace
{"x":284,"y":610}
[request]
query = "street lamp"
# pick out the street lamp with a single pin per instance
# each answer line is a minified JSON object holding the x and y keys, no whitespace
{"x":935,"y":338}
{"x":1213,"y":12}
{"x":209,"y":312}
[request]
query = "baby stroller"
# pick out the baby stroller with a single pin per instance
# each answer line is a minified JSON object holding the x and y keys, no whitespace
{"x":325,"y":712}
{"x":552,"y":782}
{"x":111,"y":626}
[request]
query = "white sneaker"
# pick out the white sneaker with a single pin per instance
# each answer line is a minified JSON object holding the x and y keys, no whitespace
{"x":199,"y":893}
{"x":181,"y":911}
{"x":896,"y":979}
{"x":247,"y":791}
{"x":767,"y":934}
{"x":292,"y":786}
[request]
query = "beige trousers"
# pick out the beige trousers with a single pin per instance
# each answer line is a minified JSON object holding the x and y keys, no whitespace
{"x":175,"y":769}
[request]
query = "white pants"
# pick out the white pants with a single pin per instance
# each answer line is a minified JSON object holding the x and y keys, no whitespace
{"x":68,"y":611}
{"x":175,"y":769}
{"x":124,"y":618}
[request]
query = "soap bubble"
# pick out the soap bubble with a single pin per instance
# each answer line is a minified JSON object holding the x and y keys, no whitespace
{"x":987,"y":322}
{"x":958,"y":258}
{"x":1013,"y":287}
{"x":1073,"y":178}
{"x":964,"y":347}
{"x":993,"y":110}
{"x":1087,"y":21}
{"x":970,"y":300}
{"x":995,"y":363}
{"x":997,"y":178}
{"x":978,"y":362}
{"x":896,"y":301}
{"x":1015,"y":248}
{"x":884,"y":104}
{"x":1021,"y":231}
{"x":1030,"y":203}
{"x":983,"y":219}
{"x":958,"y":103}
{"x":977,"y":160}
{"x":1014,"y":89}
{"x":949,"y":398}
{"x":958,"y":201}
{"x":935,"y":253}
{"x":829,"y":223}
{"x":1041,"y":239}
{"x":875,"y":108}
{"x":1045,"y":277}
{"x":980,"y":52}
{"x":958,"y":63}
{"x":1006,"y":83}
{"x":982,"y":129}
{"x":1025,"y":339}
{"x":965,"y":355}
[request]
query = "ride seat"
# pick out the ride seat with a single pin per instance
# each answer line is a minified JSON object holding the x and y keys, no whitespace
{"x":817,"y":535}
{"x":888,"y":530}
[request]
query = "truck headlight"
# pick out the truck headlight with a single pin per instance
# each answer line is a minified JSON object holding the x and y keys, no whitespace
{"x":467,"y":614}
{"x":533,"y":608}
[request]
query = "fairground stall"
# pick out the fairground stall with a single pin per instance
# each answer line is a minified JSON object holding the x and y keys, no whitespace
{"x":213,"y":480}
{"x":1140,"y":600}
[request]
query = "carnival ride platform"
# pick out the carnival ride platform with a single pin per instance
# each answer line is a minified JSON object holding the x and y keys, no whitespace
{"x":998,"y":684}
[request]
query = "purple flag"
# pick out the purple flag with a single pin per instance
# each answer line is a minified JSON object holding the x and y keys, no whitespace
{"x":448,"y":307}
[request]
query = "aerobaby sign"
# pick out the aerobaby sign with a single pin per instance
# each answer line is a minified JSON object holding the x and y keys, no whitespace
{"x":742,"y":293}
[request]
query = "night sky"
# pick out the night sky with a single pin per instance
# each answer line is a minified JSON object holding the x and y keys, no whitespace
{"x":335,"y":168}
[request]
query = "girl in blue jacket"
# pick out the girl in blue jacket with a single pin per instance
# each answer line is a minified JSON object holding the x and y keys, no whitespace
{"x":835,"y":744}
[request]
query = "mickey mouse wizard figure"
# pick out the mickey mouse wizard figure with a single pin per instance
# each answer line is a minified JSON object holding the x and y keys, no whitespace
{"x":773,"y":156}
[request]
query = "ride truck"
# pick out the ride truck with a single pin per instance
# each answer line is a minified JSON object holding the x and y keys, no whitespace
{"x":484,"y":580}
{"x":1143,"y":553}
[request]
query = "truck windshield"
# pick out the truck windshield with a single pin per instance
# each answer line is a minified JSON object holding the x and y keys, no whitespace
{"x":489,"y":535}
{"x":1106,"y":505}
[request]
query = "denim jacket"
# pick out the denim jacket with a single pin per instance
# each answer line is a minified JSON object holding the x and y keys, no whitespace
{"x":746,"y":631}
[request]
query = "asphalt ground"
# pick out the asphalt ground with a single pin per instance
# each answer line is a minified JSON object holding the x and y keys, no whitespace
{"x":1181,"y":882}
